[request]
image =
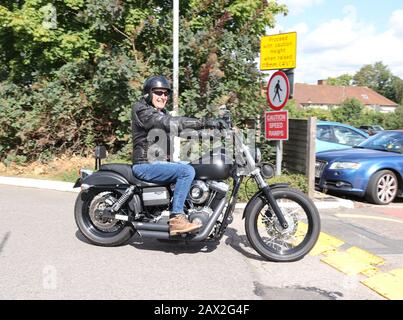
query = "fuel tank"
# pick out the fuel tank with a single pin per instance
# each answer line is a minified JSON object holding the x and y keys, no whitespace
{"x":214,"y":165}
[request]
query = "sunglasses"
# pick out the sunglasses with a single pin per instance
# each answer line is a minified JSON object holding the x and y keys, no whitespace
{"x":160,"y":93}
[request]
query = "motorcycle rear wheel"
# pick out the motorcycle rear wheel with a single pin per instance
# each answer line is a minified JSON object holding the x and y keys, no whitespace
{"x":266,"y":235}
{"x":115,"y":233}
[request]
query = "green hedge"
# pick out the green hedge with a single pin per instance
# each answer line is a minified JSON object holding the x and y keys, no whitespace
{"x":249,"y":188}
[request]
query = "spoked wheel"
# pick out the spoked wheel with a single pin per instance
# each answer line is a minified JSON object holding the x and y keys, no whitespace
{"x":97,"y":229}
{"x":269,"y":239}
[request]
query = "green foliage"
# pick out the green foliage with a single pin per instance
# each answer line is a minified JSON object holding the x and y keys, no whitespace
{"x":379,"y":78}
{"x":249,"y":188}
{"x":219,"y":65}
{"x":295,"y":113}
{"x":72,"y":111}
{"x":70,"y":70}
{"x":399,"y":116}
{"x":398,"y":89}
{"x":343,"y":80}
{"x":349,"y":111}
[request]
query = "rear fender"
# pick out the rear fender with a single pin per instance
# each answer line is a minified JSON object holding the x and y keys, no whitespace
{"x":101,"y":180}
{"x":104,"y":178}
{"x":261,"y":195}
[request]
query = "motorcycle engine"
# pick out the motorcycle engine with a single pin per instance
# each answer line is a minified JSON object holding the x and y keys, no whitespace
{"x":200,"y":216}
{"x":203,"y":198}
{"x":204,"y":192}
{"x":199,"y":192}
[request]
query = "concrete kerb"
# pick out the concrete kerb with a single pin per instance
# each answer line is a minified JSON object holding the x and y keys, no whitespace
{"x":38,"y":183}
{"x":322,"y":201}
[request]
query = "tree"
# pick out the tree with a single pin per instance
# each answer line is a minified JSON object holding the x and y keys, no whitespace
{"x":398,"y":90}
{"x":377,"y":77}
{"x":79,"y":65}
{"x":349,"y":111}
{"x":343,"y":80}
{"x":397,"y":119}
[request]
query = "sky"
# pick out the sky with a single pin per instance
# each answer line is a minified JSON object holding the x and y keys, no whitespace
{"x":335,"y":37}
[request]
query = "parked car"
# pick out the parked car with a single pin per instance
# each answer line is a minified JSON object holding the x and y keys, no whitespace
{"x":371,"y":129}
{"x":335,"y":135}
{"x":373,"y":169}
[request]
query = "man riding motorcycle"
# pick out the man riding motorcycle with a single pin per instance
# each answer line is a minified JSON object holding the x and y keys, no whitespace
{"x":152,"y":161}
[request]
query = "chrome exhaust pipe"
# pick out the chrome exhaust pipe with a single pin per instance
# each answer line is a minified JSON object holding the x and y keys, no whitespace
{"x":154,"y":234}
{"x":159,"y":227}
{"x":206,"y":230}
{"x":161,"y":231}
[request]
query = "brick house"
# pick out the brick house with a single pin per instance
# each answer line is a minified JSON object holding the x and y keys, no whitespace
{"x":327,"y":97}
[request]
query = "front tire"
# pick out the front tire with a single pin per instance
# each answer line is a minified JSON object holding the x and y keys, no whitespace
{"x":382,"y":187}
{"x":109,"y":233}
{"x":267,"y":236}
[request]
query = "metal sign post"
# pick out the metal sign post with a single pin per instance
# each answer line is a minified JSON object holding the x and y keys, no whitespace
{"x":177,"y":144}
{"x":176,"y":56}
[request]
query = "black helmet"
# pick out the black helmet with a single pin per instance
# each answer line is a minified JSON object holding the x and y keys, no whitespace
{"x":155,"y":82}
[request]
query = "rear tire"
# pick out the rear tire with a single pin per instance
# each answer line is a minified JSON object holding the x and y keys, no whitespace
{"x":95,"y":235}
{"x":382,"y":187}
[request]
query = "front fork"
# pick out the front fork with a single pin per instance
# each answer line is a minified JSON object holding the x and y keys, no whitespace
{"x":230,"y":207}
{"x":270,"y":198}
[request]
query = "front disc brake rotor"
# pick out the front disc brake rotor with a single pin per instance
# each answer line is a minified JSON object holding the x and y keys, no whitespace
{"x":274,"y":228}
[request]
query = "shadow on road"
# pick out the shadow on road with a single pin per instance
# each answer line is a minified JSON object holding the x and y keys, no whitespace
{"x":3,"y":242}
{"x":237,"y":242}
{"x":173,"y":246}
{"x":241,"y":244}
{"x":80,"y":237}
{"x":168,"y":246}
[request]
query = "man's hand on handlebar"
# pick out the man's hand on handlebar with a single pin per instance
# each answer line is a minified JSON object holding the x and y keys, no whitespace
{"x":215,"y":124}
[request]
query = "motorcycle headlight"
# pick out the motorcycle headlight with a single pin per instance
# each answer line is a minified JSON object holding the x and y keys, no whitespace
{"x":258,"y":155}
{"x":344,"y":165}
{"x":267,"y":171}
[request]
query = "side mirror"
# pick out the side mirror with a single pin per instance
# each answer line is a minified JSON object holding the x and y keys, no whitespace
{"x":100,"y":153}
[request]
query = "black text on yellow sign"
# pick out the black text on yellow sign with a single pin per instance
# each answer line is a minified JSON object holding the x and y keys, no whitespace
{"x":278,"y":51}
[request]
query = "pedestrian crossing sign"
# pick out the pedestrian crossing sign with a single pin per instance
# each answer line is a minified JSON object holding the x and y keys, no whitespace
{"x":278,"y":90}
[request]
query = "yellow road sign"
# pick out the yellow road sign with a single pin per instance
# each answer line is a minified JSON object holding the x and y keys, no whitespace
{"x":278,"y":51}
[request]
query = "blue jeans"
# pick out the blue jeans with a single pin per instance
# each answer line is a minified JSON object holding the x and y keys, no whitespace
{"x":172,"y":172}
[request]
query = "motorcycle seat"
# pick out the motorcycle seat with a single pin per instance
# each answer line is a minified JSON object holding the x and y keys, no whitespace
{"x":126,"y":171}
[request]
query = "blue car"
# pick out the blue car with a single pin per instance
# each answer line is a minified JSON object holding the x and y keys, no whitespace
{"x":373,"y":169}
{"x":335,"y":135}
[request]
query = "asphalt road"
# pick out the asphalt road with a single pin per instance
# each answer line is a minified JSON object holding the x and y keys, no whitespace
{"x":43,"y":256}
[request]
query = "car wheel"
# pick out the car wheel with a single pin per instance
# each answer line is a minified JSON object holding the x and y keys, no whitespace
{"x":382,"y":187}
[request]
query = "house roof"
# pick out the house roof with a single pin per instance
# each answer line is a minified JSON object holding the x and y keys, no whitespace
{"x":335,"y":95}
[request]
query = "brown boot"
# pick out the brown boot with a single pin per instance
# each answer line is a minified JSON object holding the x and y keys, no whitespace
{"x":180,"y":224}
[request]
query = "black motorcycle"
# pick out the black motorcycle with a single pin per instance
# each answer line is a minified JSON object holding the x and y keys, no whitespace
{"x":282,"y":224}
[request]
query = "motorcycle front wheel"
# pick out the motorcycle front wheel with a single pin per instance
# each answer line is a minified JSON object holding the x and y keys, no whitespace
{"x":266,"y":235}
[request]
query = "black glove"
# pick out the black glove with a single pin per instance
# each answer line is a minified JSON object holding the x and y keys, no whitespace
{"x":215,"y":124}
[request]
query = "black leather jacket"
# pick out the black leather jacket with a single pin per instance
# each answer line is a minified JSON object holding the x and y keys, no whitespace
{"x":145,"y":118}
